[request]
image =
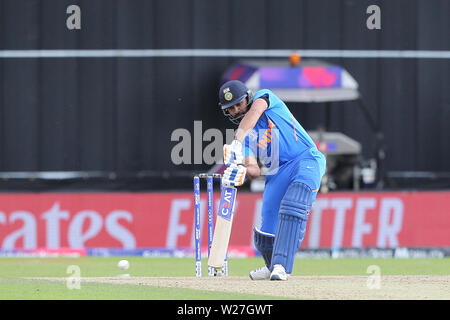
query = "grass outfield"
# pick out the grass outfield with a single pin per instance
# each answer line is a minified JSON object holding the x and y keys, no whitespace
{"x":15,"y":271}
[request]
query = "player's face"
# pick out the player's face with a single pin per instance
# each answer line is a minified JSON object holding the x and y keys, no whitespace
{"x":238,"y":109}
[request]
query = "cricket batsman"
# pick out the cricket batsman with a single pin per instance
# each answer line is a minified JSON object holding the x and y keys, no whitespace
{"x":269,"y":133}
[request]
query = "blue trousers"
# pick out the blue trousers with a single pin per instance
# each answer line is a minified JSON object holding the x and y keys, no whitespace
{"x":308,"y":168}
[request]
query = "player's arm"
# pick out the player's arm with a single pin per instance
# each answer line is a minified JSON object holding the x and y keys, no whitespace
{"x":253,"y":170}
{"x":232,"y":153}
{"x":235,"y":174}
{"x":250,"y":119}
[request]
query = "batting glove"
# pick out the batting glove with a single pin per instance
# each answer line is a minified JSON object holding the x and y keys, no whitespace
{"x":232,"y":153}
{"x":234,"y":175}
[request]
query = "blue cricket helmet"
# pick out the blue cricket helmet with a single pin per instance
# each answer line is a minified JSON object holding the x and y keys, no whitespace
{"x":231,"y":93}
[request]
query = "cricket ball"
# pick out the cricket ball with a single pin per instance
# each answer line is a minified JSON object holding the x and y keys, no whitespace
{"x":123,"y":264}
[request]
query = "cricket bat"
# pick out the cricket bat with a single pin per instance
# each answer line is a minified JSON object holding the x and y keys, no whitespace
{"x":222,"y":230}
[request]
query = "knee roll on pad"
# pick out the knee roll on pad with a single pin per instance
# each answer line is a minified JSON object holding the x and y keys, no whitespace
{"x":291,"y":227}
{"x":264,"y":244}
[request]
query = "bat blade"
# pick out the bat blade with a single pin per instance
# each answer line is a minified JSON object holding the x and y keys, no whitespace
{"x":222,"y":230}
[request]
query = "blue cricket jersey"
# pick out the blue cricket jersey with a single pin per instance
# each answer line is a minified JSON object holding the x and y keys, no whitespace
{"x":277,"y":136}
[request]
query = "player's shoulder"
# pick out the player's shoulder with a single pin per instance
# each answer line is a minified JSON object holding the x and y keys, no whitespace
{"x":269,"y":96}
{"x":274,"y":102}
{"x":263,"y":92}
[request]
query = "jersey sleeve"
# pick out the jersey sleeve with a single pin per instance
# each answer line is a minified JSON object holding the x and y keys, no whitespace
{"x":269,"y":96}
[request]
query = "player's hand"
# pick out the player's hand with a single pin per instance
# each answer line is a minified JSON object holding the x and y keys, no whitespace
{"x":232,"y":153}
{"x":234,"y":175}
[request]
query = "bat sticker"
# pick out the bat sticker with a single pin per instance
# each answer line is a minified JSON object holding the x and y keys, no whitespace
{"x":227,"y":200}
